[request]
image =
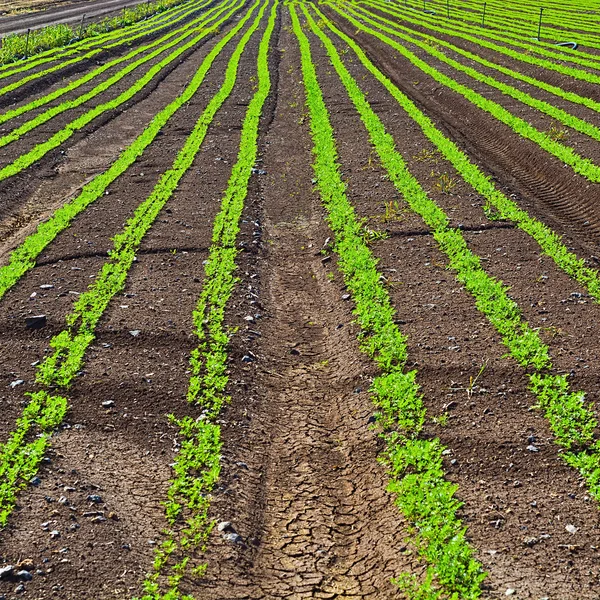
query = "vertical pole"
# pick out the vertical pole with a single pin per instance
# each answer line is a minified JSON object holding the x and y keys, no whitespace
{"x":27,"y":42}
{"x":539,"y":36}
{"x":81,"y":25}
{"x":483,"y":15}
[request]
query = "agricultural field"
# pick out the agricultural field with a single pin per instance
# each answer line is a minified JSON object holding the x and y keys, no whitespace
{"x":301,"y":300}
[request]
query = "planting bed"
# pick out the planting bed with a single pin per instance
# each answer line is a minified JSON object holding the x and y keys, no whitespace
{"x":300,"y":300}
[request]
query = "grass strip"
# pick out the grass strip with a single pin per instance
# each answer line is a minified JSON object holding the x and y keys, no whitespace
{"x":23,"y":258}
{"x":39,"y":102}
{"x":415,"y":466}
{"x":69,"y":346}
{"x":49,"y":114}
{"x":572,"y":423}
{"x":197,"y":465}
{"x":40,"y":150}
{"x":580,"y":165}
{"x":550,"y":243}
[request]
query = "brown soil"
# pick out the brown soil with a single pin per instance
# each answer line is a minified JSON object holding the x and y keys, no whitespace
{"x":301,"y":482}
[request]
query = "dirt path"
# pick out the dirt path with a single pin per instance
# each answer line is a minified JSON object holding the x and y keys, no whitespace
{"x":309,"y":499}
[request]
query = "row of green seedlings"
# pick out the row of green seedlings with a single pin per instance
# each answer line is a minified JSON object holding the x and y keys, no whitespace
{"x":23,"y":258}
{"x":197,"y":465}
{"x":572,"y":423}
{"x":522,"y":21}
{"x":23,"y":80}
{"x":54,"y":141}
{"x":415,"y":463}
{"x":580,"y":165}
{"x":514,"y":38}
{"x":62,"y":60}
{"x":22,"y":45}
{"x":525,"y":52}
{"x":553,"y":24}
{"x":432,"y":43}
{"x":550,"y":243}
{"x":46,"y":410}
{"x":165,"y":43}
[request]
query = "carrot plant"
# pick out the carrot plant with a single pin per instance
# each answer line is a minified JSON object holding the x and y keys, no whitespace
{"x":197,"y":466}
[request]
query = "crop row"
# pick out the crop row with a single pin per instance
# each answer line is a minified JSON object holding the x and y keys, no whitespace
{"x":415,"y":464}
{"x":525,"y":38}
{"x":580,"y":165}
{"x":522,"y":21}
{"x":41,"y":101}
{"x":196,"y":28}
{"x":520,"y":51}
{"x":17,"y":46}
{"x":197,"y":465}
{"x":121,"y":38}
{"x":61,"y":136}
{"x":571,"y":421}
{"x":549,"y":241}
{"x":433,"y":42}
{"x":46,"y":410}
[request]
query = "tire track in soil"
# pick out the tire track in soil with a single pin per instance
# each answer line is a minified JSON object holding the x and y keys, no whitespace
{"x":553,"y":193}
{"x":523,"y":546}
{"x":300,"y":479}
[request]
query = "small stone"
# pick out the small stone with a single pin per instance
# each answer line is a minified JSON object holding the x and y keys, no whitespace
{"x":135,"y":332}
{"x":24,"y":575}
{"x":108,"y":403}
{"x":98,"y":519}
{"x":46,"y":286}
{"x":530,"y":542}
{"x":249,"y":318}
{"x":247,"y":359}
{"x":63,"y":500}
{"x":54,"y":534}
{"x":95,"y":498}
{"x":346,"y":296}
{"x":35,"y":322}
{"x":225,"y":526}
{"x":20,"y":589}
{"x":35,"y":481}
{"x":509,"y":592}
{"x":533,"y":448}
{"x":45,"y":526}
{"x":14,"y":384}
{"x":234,"y":538}
{"x":6,"y":572}
{"x":571,"y":528}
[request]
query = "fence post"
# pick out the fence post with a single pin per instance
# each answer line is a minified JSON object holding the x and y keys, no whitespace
{"x":539,"y":36}
{"x":81,"y":25}
{"x":483,"y":15}
{"x":27,"y":42}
